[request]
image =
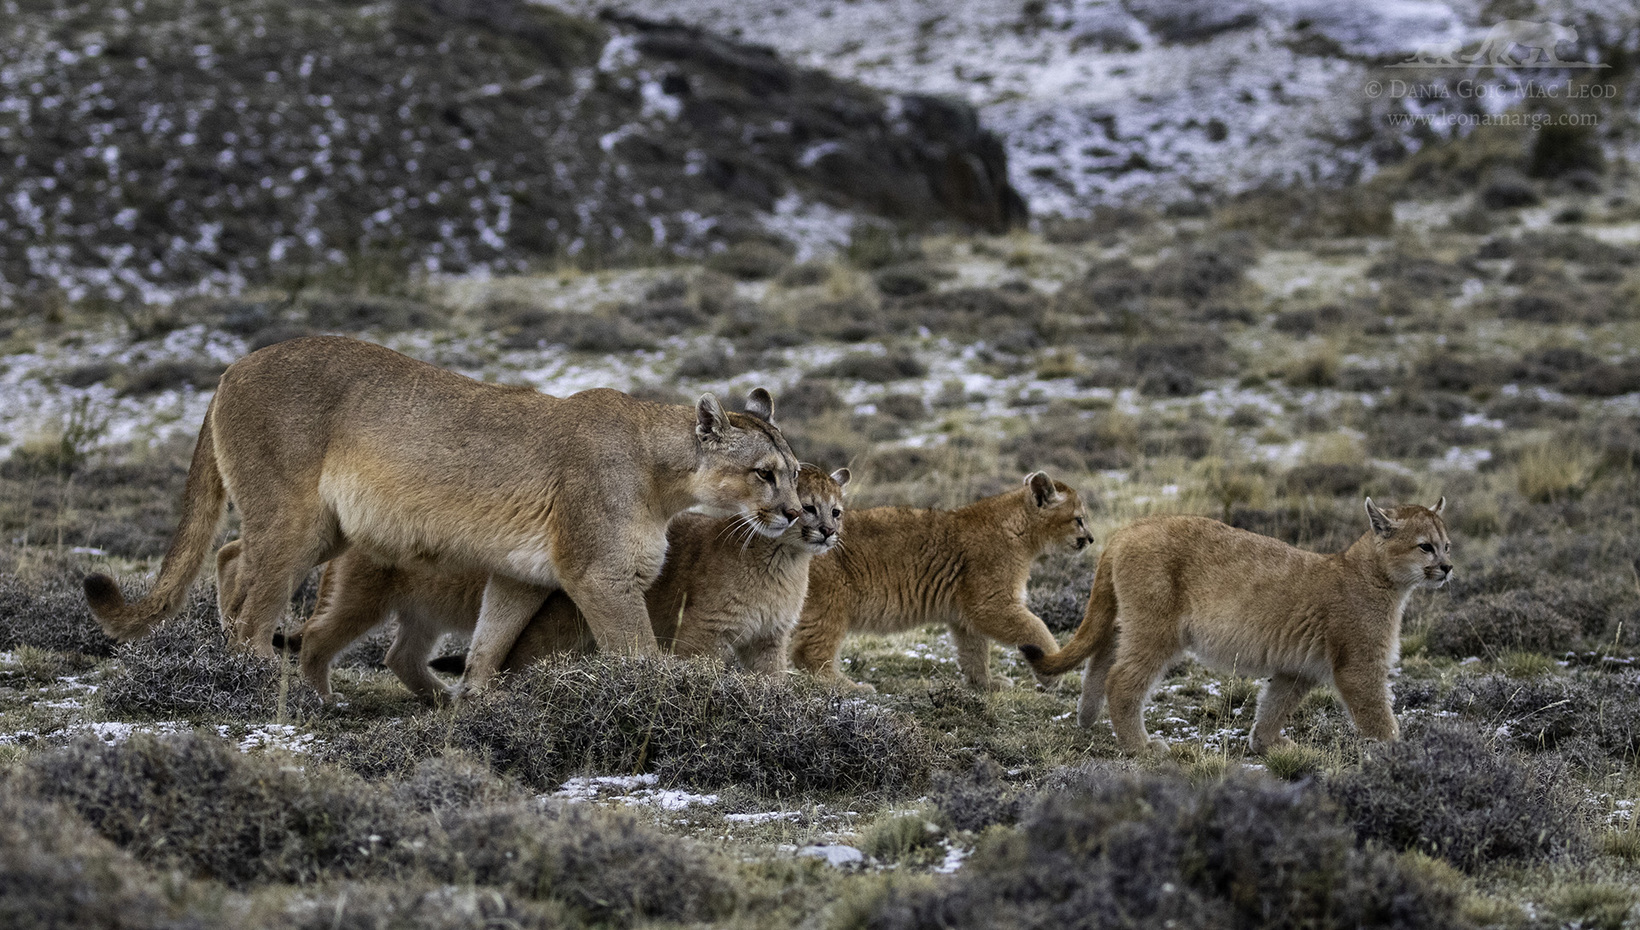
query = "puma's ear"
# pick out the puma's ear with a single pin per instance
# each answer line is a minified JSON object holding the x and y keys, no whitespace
{"x":1440,"y":505}
{"x":711,"y":423}
{"x":1042,"y":489}
{"x":1382,"y":523}
{"x":840,"y":476}
{"x":759,"y":404}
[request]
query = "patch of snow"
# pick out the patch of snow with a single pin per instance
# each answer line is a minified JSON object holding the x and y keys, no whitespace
{"x":836,"y":855}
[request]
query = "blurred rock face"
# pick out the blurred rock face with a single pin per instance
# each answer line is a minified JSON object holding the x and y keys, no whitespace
{"x":189,"y":146}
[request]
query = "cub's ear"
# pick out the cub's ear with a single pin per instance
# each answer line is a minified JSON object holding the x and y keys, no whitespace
{"x":711,"y":423}
{"x":1440,"y":505}
{"x":759,"y":404}
{"x":1042,"y":489}
{"x":1382,"y":523}
{"x":840,"y":476}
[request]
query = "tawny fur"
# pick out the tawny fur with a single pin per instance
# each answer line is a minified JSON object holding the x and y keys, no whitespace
{"x":327,"y":442}
{"x":1252,"y":605}
{"x":901,"y":568}
{"x":725,"y":591}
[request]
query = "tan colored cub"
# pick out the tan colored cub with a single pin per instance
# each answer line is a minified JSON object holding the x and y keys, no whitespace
{"x":1252,"y":605}
{"x":325,"y":443}
{"x":738,"y":594}
{"x":902,"y":568}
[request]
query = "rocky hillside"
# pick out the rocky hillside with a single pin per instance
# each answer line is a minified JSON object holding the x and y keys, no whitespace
{"x":154,"y":148}
{"x":1168,"y":101}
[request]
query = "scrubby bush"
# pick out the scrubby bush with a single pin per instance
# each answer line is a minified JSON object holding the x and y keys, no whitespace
{"x":49,"y":614}
{"x":1059,"y":587}
{"x":1582,"y":716}
{"x":1493,"y":624}
{"x":191,"y":801}
{"x":186,"y":668}
{"x":1066,"y":439}
{"x":751,"y":260}
{"x":878,"y":368}
{"x":57,"y":874}
{"x":1128,"y":850}
{"x":978,"y":798}
{"x":428,"y":906}
{"x":1448,"y":793}
{"x":687,"y":722}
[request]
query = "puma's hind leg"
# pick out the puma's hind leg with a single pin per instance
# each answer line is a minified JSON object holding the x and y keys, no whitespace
{"x":1141,"y":658}
{"x":974,"y":659}
{"x":1094,"y":677}
{"x":817,"y":644}
{"x":353,"y":598}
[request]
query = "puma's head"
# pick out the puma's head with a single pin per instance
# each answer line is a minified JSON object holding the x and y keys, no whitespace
{"x":1056,"y":512}
{"x":820,"y":528}
{"x":1413,"y":543}
{"x":745,"y":465}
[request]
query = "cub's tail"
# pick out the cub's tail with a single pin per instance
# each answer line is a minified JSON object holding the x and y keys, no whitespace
{"x":204,"y":498}
{"x":1097,"y":634}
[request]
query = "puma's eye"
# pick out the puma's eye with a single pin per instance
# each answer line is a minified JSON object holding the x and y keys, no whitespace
{"x":809,"y":509}
{"x":836,"y":513}
{"x":1427,"y":548}
{"x":766,"y":474}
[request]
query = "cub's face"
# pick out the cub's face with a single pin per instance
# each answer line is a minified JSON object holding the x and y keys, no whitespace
{"x":820,"y":528}
{"x":1058,"y":512}
{"x":746,"y":466}
{"x":1413,"y":539}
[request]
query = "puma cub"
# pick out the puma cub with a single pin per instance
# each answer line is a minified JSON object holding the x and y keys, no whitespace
{"x":1252,"y":605}
{"x":902,"y":568}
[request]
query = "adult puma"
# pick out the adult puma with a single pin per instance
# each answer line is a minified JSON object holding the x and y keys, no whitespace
{"x":902,"y":568}
{"x":1255,"y":606}
{"x":725,"y":591}
{"x":324,"y":442}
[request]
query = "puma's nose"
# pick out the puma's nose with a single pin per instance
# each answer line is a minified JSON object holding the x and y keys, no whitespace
{"x":792,"y":513}
{"x":1446,"y":568}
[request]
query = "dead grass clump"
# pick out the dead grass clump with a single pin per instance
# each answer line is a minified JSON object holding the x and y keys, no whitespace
{"x":186,"y":668}
{"x":664,"y":316}
{"x":1494,"y":624}
{"x":1422,"y":274}
{"x":1300,"y":214}
{"x":167,"y":376}
{"x":808,"y":398}
{"x":750,"y":260}
{"x":55,"y":872}
{"x":1066,"y":439}
{"x":1009,"y":316}
{"x":1321,"y":527}
{"x":1345,"y":479}
{"x":1206,"y":270}
{"x":417,"y":906}
{"x":687,"y":722}
{"x":878,"y":368}
{"x":1607,"y":379}
{"x":352,"y":313}
{"x":1555,"y":470}
{"x":1449,"y":793}
{"x":49,"y":613}
{"x":1578,"y":715}
{"x":1507,"y":190}
{"x":580,"y":332}
{"x":1132,"y":850}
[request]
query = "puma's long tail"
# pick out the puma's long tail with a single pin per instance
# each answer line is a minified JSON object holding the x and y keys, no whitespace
{"x":1096,"y":634}
{"x":204,"y":498}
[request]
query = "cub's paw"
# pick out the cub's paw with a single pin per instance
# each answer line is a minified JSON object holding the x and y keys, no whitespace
{"x":994,"y":683}
{"x":858,"y":686}
{"x":1259,"y":747}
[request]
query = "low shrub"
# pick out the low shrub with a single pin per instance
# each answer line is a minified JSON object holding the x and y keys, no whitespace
{"x":687,"y":722}
{"x":55,"y":872}
{"x":50,"y":613}
{"x":186,"y":668}
{"x":416,"y":906}
{"x":978,"y":798}
{"x":1151,"y":850}
{"x":874,"y":367}
{"x":1059,"y":587}
{"x":751,"y":260}
{"x":1582,"y":716}
{"x":191,"y":801}
{"x":1448,"y":793}
{"x":1493,"y":624}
